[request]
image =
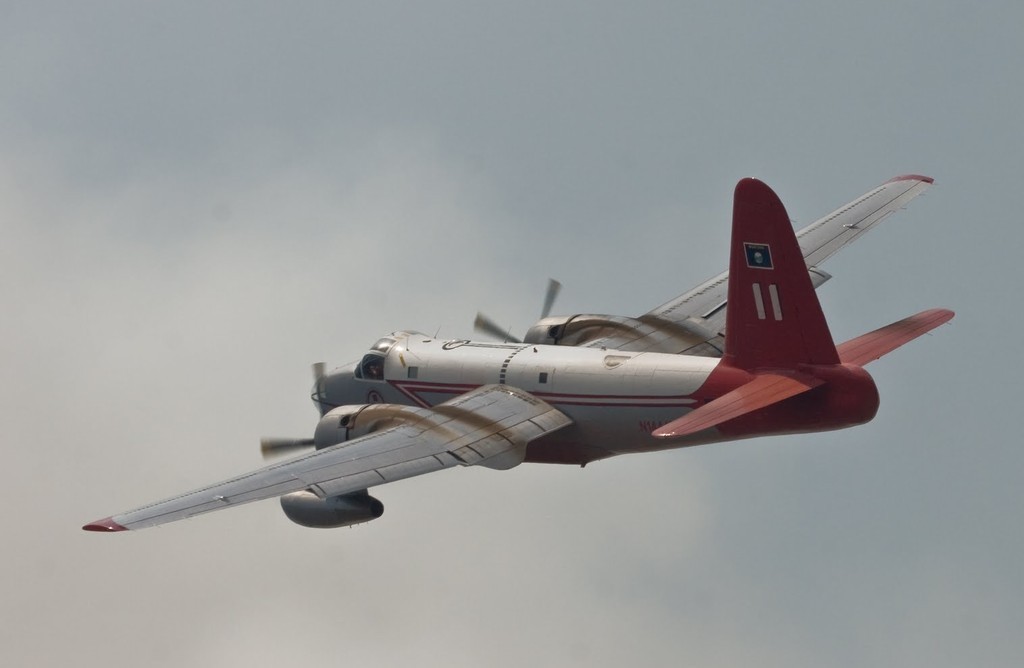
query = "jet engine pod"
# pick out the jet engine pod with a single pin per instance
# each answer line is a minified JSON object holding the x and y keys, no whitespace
{"x":309,"y":510}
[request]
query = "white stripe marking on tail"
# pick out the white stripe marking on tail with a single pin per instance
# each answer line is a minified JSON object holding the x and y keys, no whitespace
{"x":759,"y":301}
{"x":773,"y":292}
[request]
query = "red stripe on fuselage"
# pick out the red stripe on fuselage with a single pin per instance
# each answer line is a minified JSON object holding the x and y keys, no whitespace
{"x":413,"y":391}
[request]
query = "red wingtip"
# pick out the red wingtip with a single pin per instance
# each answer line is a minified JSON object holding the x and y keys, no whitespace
{"x":911,"y":177}
{"x":107,"y":524}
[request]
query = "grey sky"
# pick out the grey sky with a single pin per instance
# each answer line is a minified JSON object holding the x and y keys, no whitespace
{"x":198,"y":202}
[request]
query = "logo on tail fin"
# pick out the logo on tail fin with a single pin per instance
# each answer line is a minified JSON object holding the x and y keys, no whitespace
{"x":759,"y":256}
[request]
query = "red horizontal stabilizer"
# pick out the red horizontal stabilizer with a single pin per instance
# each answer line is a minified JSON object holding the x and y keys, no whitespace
{"x":766,"y":389}
{"x":869,"y":347}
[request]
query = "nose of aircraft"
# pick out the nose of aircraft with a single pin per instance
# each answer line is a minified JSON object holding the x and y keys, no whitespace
{"x":334,"y":388}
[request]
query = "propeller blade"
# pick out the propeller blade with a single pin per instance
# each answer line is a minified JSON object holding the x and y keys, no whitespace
{"x":485,"y":325}
{"x":272,"y":447}
{"x":319,"y":368}
{"x":549,"y":297}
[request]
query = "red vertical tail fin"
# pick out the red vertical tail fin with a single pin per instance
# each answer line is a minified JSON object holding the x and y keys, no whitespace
{"x":773,"y":317}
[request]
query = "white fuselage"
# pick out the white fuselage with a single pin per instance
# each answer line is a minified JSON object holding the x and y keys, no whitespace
{"x":615,"y":399}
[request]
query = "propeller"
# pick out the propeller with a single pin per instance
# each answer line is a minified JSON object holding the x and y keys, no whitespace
{"x":554,"y":287}
{"x":271,"y":446}
{"x":485,"y":325}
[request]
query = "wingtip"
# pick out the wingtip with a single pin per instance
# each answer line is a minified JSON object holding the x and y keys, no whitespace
{"x":911,"y":177}
{"x":107,"y":525}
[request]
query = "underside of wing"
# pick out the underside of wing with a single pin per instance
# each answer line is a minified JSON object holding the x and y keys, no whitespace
{"x":694,"y":322}
{"x":489,"y":426}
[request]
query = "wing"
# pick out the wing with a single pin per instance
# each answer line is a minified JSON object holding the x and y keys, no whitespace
{"x":694,"y":322}
{"x":490,"y":426}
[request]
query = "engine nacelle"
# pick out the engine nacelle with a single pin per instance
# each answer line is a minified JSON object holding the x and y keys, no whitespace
{"x":690,"y":336}
{"x":346,"y":423}
{"x":309,"y":510}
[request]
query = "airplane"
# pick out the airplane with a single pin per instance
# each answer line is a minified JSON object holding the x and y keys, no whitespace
{"x":745,"y":354}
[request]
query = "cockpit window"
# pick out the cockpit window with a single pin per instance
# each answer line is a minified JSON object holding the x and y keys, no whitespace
{"x":383,"y":345}
{"x":371,"y":367}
